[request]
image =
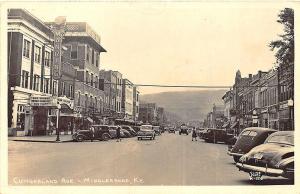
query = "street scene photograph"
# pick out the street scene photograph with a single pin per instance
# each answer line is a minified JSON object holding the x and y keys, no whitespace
{"x":140,"y":94}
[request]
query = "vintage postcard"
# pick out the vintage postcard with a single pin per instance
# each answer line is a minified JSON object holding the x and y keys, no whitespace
{"x":149,"y":96}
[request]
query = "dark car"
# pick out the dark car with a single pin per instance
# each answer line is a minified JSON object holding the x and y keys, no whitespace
{"x":126,"y":133}
{"x":248,"y":139}
{"x":129,"y":129}
{"x":113,"y":132}
{"x":216,"y":135}
{"x":136,"y":128}
{"x":183,"y":130}
{"x":171,"y":130}
{"x":273,"y":158}
{"x":101,"y":133}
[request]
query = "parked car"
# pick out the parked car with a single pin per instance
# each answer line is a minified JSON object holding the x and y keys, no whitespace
{"x":156,"y":130}
{"x":202,"y":132}
{"x":183,"y":130}
{"x":216,"y":135}
{"x":113,"y":132}
{"x":273,"y":158}
{"x":136,"y":128}
{"x":101,"y":133}
{"x":126,"y":133}
{"x":129,"y":129}
{"x":248,"y":139}
{"x":146,"y":131}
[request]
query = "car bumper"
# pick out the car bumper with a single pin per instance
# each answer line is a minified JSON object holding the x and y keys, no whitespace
{"x":234,"y":154}
{"x":145,"y":136}
{"x":264,"y":170}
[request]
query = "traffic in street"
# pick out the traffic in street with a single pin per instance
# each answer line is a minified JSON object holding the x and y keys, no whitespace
{"x":169,"y":159}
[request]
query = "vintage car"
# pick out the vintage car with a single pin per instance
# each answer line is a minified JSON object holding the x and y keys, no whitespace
{"x":171,"y":130}
{"x":146,"y":131}
{"x":101,"y":132}
{"x":273,"y":158}
{"x":248,"y":139}
{"x":216,"y":135}
{"x":113,"y":132}
{"x":183,"y":130}
{"x":129,"y":129}
{"x":157,"y":130}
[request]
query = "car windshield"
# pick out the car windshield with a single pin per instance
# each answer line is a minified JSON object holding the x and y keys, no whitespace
{"x":282,"y":139}
{"x":146,"y":127}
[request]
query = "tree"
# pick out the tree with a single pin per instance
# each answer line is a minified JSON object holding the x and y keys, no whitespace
{"x":285,"y":45}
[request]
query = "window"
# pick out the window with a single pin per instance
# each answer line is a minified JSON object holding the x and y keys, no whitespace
{"x":21,"y":116}
{"x":37,"y":54}
{"x":91,"y":101}
{"x":47,"y":59}
{"x":46,"y":85}
{"x":86,"y":101}
{"x":71,"y":91}
{"x":26,"y":48}
{"x":74,"y":51}
{"x":36,"y":82}
{"x":62,"y":88}
{"x":78,"y":99}
{"x":24,"y":81}
{"x":92,"y":79}
{"x":88,"y":53}
{"x":93,"y":56}
{"x":54,"y":88}
{"x":87,"y":77}
{"x":97,"y":59}
{"x":96,"y":82}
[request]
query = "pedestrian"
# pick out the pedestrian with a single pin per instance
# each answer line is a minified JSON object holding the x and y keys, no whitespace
{"x":119,"y":134}
{"x":92,"y":129}
{"x":194,"y":134}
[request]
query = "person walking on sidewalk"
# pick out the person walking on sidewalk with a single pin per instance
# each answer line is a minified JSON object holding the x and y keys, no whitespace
{"x":194,"y":134}
{"x":119,"y":134}
{"x":92,"y":129}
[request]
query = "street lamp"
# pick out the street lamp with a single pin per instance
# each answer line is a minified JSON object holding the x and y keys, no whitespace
{"x":57,"y":118}
{"x":290,"y":104}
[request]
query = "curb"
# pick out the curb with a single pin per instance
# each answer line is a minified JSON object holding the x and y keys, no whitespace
{"x":42,"y":141}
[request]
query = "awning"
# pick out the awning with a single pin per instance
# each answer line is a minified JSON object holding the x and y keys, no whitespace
{"x":225,"y":125}
{"x":233,"y":125}
{"x":89,"y":119}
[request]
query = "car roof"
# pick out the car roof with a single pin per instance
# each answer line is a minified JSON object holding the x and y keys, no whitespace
{"x":146,"y":126}
{"x":283,"y":133}
{"x":259,"y":129}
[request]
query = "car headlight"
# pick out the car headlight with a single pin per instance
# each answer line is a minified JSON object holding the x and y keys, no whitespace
{"x":243,"y":159}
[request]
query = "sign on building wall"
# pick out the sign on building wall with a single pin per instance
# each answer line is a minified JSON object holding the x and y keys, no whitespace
{"x":41,"y":101}
{"x":59,"y":30}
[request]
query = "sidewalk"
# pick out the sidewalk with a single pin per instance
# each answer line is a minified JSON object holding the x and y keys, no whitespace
{"x":46,"y":138}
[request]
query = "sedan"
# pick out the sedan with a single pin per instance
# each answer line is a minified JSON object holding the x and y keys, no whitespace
{"x":273,"y":158}
{"x":146,"y":131}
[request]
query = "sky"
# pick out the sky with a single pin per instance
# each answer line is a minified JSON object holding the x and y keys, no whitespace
{"x":177,"y":43}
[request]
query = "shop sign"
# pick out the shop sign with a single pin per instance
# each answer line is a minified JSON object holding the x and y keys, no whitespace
{"x":41,"y":101}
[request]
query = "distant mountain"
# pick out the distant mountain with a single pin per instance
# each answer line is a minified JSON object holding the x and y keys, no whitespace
{"x":188,"y":105}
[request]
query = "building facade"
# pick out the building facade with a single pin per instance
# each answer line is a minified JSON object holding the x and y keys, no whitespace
{"x":148,"y":113}
{"x":127,"y":99}
{"x":136,"y":103}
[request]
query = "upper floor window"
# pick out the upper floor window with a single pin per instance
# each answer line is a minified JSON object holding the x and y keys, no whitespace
{"x":37,"y":54}
{"x":47,"y":59}
{"x":92,"y":79}
{"x":36,"y":82}
{"x":71,"y":91}
{"x":93,"y":56}
{"x":26,"y":48}
{"x":97,"y":59}
{"x":74,"y":51}
{"x":78,"y":102}
{"x":63,"y":88}
{"x":87,"y":77}
{"x":46,"y":85}
{"x":54,"y":88}
{"x":24,"y":81}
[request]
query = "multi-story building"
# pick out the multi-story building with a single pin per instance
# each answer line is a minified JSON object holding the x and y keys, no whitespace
{"x":29,"y":68}
{"x":161,"y":117}
{"x":268,"y":116}
{"x":148,"y":113}
{"x":127,"y":99}
{"x":136,"y":103}
{"x":119,"y":92}
{"x":286,"y":96}
{"x":83,"y":50}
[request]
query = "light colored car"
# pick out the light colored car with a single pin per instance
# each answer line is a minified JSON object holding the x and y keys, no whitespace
{"x":146,"y":131}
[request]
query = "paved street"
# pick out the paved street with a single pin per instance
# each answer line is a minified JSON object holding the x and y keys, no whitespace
{"x":170,"y":159}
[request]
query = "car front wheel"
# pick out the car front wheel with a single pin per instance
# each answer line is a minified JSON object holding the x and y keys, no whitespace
{"x":79,"y":138}
{"x":105,"y":137}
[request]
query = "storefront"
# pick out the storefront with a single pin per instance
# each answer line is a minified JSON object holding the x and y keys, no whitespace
{"x":286,"y":115}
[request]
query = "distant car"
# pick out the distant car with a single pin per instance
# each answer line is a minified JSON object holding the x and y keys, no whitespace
{"x":146,"y":131}
{"x":157,"y":130}
{"x":216,"y":135}
{"x":171,"y":130}
{"x":129,"y":129}
{"x":183,"y":130}
{"x":101,"y":133}
{"x":248,"y":139}
{"x":273,"y":158}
